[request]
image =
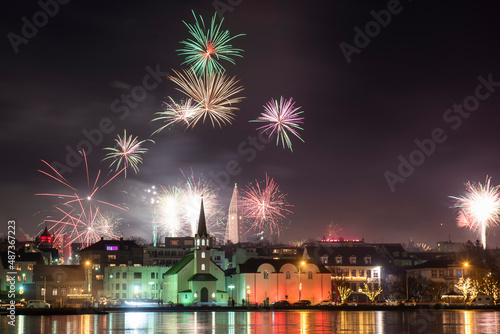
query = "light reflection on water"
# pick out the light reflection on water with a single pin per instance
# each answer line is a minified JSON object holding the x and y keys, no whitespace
{"x":393,"y":322}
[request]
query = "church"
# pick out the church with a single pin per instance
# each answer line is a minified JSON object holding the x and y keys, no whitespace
{"x":196,"y":280}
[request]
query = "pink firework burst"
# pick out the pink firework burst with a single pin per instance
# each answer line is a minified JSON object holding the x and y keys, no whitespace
{"x":479,"y":207}
{"x":174,"y":112}
{"x":79,"y":210}
{"x":264,"y":205}
{"x":282,"y":119}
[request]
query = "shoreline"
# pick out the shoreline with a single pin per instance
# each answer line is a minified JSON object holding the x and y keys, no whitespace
{"x":93,"y":310}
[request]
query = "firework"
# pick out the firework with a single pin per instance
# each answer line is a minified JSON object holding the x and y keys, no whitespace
{"x":177,"y":113}
{"x":213,"y":95}
{"x":264,"y":205}
{"x":127,"y":150}
{"x":177,"y":208}
{"x":79,"y":209}
{"x":208,"y":46}
{"x":333,"y":231}
{"x":107,"y":225}
{"x":282,"y":118}
{"x":479,"y":207}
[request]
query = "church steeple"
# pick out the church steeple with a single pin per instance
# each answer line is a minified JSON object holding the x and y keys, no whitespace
{"x":202,"y":224}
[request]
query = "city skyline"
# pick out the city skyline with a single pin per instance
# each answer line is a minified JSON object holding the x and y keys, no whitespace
{"x":396,"y":119}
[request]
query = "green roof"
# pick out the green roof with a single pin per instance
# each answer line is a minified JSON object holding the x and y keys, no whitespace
{"x":202,"y":277}
{"x":181,"y":264}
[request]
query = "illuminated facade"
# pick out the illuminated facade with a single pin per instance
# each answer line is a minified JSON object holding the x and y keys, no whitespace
{"x":196,"y":279}
{"x":234,"y":228}
{"x":260,"y":280}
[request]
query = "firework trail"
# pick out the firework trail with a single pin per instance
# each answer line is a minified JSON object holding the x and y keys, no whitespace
{"x":282,"y":118}
{"x":208,"y":46}
{"x":80,"y":208}
{"x":177,"y":113}
{"x":264,"y":205}
{"x":127,"y":150}
{"x":177,"y":208}
{"x":479,"y":207}
{"x":213,"y":95}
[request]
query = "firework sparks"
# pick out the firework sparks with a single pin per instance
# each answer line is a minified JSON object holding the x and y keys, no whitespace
{"x":80,"y":208}
{"x":107,"y":225}
{"x":208,"y":46}
{"x":127,"y":150}
{"x":479,"y":207}
{"x":177,"y":113}
{"x":177,"y":208}
{"x":264,"y":206}
{"x":213,"y":95}
{"x":282,"y":118}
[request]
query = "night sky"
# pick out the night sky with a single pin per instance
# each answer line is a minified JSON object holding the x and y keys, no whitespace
{"x":360,"y":116}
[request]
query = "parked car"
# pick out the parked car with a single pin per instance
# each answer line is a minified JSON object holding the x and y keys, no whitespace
{"x":38,"y":304}
{"x":325,"y":302}
{"x":482,"y":301}
{"x":408,"y":303}
{"x":302,"y":303}
{"x":281,"y":303}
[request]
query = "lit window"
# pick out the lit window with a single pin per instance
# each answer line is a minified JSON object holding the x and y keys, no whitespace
{"x":54,"y":292}
{"x":18,"y":266}
{"x":30,"y":266}
{"x":266,"y":274}
{"x":368,"y":260}
{"x":112,"y":248}
{"x":111,"y":257}
{"x":353,"y":273}
{"x":353,"y":260}
{"x":361,"y":273}
{"x":287,"y":275}
{"x":202,"y":255}
{"x":42,"y":292}
{"x":324,"y":259}
{"x":99,"y":277}
{"x":338,"y":260}
{"x":203,"y":242}
{"x":198,"y":242}
{"x":375,"y":274}
{"x":203,"y":267}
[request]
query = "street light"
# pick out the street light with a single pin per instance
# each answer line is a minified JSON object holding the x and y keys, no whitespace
{"x":89,"y":277}
{"x":248,"y":295}
{"x":466,"y":264}
{"x":231,"y":287}
{"x":300,"y":284}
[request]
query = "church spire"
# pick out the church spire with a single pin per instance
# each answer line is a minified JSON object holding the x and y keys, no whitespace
{"x":202,"y":224}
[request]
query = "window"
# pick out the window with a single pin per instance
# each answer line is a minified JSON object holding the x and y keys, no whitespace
{"x":111,"y":257}
{"x":137,"y":275}
{"x":459,"y":273}
{"x":118,"y":275}
{"x":202,"y":255}
{"x":434,"y":273}
{"x":42,"y":292}
{"x":54,"y":291}
{"x":117,"y":295}
{"x":375,"y":274}
{"x":324,"y":259}
{"x":30,"y":266}
{"x":353,"y":273}
{"x":112,"y":248}
{"x":353,"y":287}
{"x":99,"y":277}
{"x":266,"y":274}
{"x":124,"y":295}
{"x":117,"y":286}
{"x":309,"y":275}
{"x":368,"y":273}
{"x":203,"y":242}
{"x":58,"y":278}
{"x":63,"y":292}
{"x":368,"y":260}
{"x":287,"y":275}
{"x":152,"y":275}
{"x":441,"y":273}
{"x":338,"y":260}
{"x":124,"y":286}
{"x":18,"y":278}
{"x":202,"y":266}
{"x":18,"y":266}
{"x":352,"y":260}
{"x":450,"y":273}
{"x":198,"y":242}
{"x":361,"y":273}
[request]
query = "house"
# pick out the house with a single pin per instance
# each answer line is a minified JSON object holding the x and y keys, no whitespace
{"x":58,"y":284}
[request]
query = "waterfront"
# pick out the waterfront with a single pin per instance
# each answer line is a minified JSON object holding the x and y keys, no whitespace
{"x":303,"y":321}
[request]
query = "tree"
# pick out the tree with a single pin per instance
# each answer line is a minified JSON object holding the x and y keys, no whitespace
{"x":469,"y":288}
{"x":491,"y":287}
{"x":437,"y":289}
{"x":344,"y":293}
{"x":370,"y":291}
{"x":394,"y":287}
{"x":418,"y":287}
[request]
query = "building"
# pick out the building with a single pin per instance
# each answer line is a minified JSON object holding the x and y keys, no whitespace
{"x":163,"y":256}
{"x":196,"y":279}
{"x":129,"y":283}
{"x":109,"y":253}
{"x":58,"y":285}
{"x":24,"y":265}
{"x":234,"y":228}
{"x":263,"y":281}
